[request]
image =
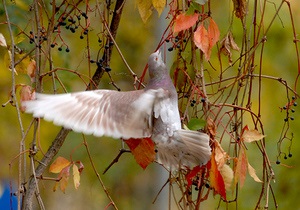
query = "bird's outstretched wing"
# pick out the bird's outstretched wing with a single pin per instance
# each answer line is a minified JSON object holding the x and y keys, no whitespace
{"x":99,"y":112}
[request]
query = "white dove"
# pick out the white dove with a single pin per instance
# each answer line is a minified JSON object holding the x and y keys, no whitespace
{"x":151,"y":112}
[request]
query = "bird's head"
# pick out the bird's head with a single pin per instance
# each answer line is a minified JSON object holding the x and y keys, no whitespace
{"x":156,"y":65}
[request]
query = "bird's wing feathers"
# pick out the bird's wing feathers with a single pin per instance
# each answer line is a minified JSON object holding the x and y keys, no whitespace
{"x":100,"y":112}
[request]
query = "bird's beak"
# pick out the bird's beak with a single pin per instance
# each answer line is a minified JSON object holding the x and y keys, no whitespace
{"x":158,"y":53}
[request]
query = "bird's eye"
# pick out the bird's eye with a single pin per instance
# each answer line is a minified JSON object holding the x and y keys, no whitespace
{"x":156,"y":58}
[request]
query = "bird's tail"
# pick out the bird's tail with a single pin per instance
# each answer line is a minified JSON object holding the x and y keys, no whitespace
{"x":186,"y":148}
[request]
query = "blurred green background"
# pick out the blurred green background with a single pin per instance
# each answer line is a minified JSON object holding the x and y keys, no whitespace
{"x":129,"y":185}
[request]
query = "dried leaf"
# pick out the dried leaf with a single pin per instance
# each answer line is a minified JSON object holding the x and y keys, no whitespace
{"x":76,"y":176}
{"x":240,"y":8}
{"x":241,"y":167}
{"x":220,"y":155}
{"x":184,"y":21}
{"x":251,"y":135}
{"x":31,"y":69}
{"x":211,"y":127}
{"x":143,"y":150}
{"x":201,"y":2}
{"x":252,"y":173}
{"x":145,"y":8}
{"x":228,"y":44}
{"x":59,"y":164}
{"x":2,"y":41}
{"x":64,"y":177}
{"x":159,"y":5}
{"x":215,"y":177}
{"x":227,"y":174}
{"x":26,"y":94}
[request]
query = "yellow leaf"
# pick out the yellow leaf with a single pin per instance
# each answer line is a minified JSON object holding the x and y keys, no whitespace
{"x":76,"y":176}
{"x":227,"y":174}
{"x":145,"y":8}
{"x":251,"y":135}
{"x":159,"y":5}
{"x":2,"y":41}
{"x":220,"y":155}
{"x":252,"y":173}
{"x":59,"y":164}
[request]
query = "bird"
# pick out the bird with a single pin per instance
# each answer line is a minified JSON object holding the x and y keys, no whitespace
{"x":151,"y":112}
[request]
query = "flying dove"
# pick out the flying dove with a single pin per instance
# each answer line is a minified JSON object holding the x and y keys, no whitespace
{"x":150,"y":112}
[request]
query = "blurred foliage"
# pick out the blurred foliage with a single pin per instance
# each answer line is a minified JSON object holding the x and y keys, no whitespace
{"x":128,"y":184}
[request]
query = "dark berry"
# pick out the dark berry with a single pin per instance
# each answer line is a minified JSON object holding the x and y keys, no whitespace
{"x":285,"y":157}
{"x":295,"y":104}
{"x":111,"y":43}
{"x":78,"y":17}
{"x":86,"y":31}
{"x":81,"y":37}
{"x":293,"y":110}
{"x":286,"y":119}
{"x":277,"y":162}
{"x":284,"y":107}
{"x":170,"y":49}
{"x":67,"y":50}
{"x":207,"y":185}
{"x":59,"y":49}
{"x":107,"y":69}
{"x":293,"y":97}
{"x":167,"y":40}
{"x":52,"y":45}
{"x":63,"y":17}
{"x":106,"y":46}
{"x":202,"y":100}
{"x":290,"y":155}
{"x":292,"y":118}
{"x":99,"y":40}
{"x":99,"y":64}
{"x":193,"y":101}
{"x":92,"y":61}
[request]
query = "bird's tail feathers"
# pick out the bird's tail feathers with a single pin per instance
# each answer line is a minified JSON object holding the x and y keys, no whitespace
{"x":186,"y":148}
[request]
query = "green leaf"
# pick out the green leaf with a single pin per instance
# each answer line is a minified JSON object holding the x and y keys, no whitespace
{"x":201,"y":2}
{"x":196,"y":124}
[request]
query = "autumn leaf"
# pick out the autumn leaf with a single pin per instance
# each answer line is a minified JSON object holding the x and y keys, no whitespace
{"x":240,"y":8}
{"x":192,"y":174}
{"x":64,"y":178}
{"x":26,"y":94}
{"x":145,"y":8}
{"x":227,"y":174}
{"x":159,"y":5}
{"x":205,"y":39}
{"x":252,"y":173}
{"x":183,"y":21}
{"x":241,"y":167}
{"x":221,"y":156}
{"x":213,"y":32}
{"x":76,"y":176}
{"x":59,"y":164}
{"x":251,"y":135}
{"x":227,"y":45}
{"x":2,"y":41}
{"x":31,"y":69}
{"x":143,"y":150}
{"x":215,"y":177}
{"x":211,"y":127}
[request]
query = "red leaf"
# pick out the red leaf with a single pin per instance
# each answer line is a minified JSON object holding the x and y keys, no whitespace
{"x":192,"y":174}
{"x":184,"y":21}
{"x":143,"y":150}
{"x":216,"y":179}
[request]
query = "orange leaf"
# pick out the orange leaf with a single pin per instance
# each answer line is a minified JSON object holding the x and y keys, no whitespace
{"x":216,"y":179}
{"x":206,"y":39}
{"x":241,"y":167}
{"x":213,"y":32}
{"x":59,"y":164}
{"x":201,"y":40}
{"x":184,"y":21}
{"x":143,"y":150}
{"x":26,"y":93}
{"x":76,"y":176}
